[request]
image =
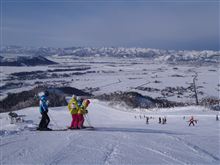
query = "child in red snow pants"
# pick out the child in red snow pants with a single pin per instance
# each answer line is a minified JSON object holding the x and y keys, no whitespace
{"x":74,"y":123}
{"x":80,"y":120}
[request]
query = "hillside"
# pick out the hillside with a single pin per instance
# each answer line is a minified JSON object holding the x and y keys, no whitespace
{"x":25,"y":61}
{"x":119,"y":138}
{"x":24,"y":99}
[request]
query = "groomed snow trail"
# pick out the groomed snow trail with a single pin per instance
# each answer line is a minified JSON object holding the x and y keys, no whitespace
{"x":119,"y":138}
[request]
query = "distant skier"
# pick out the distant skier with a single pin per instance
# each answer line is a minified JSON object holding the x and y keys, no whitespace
{"x":13,"y":116}
{"x":73,"y":108}
{"x":45,"y":120}
{"x":191,"y":121}
{"x":159,"y":120}
{"x":217,"y":118}
{"x":147,"y":120}
{"x":164,"y":120}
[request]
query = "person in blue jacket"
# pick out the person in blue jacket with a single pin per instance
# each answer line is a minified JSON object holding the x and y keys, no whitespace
{"x":45,"y":120}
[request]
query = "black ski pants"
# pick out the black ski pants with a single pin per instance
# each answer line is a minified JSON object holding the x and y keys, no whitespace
{"x":45,"y":120}
{"x":191,"y":122}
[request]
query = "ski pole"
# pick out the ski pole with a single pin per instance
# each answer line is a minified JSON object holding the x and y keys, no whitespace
{"x":87,"y":119}
{"x":54,"y":121}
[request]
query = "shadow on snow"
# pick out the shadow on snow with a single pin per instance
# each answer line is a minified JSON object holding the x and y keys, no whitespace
{"x":136,"y":130}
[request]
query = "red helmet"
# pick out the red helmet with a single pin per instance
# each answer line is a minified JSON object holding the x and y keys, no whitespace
{"x":86,"y":103}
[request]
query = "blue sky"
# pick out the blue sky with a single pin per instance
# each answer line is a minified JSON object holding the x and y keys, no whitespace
{"x":163,"y":24}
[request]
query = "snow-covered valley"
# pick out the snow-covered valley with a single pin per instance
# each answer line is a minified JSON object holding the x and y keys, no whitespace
{"x":119,"y":137}
{"x":99,"y":75}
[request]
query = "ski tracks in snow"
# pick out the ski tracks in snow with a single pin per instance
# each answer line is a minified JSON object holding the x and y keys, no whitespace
{"x":59,"y":155}
{"x":14,"y":148}
{"x":113,"y":150}
{"x":117,"y":143}
{"x":194,"y":148}
{"x":166,"y":155}
{"x":110,"y":154}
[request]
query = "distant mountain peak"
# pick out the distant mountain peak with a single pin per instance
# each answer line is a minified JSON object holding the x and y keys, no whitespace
{"x":169,"y":56}
{"x":25,"y":61}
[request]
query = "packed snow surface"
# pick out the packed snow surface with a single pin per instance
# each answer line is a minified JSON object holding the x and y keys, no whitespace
{"x":119,"y":138}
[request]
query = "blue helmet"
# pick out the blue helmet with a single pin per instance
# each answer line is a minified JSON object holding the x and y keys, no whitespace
{"x":79,"y":100}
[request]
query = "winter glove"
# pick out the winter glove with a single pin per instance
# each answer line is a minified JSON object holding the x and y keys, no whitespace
{"x":83,"y":111}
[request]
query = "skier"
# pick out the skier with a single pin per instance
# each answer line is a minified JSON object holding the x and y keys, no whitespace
{"x":164,"y":120}
{"x":73,"y":108}
{"x":147,"y":120}
{"x":159,"y":120}
{"x":45,"y":120}
{"x":217,"y":118}
{"x":81,"y":111}
{"x":191,"y":121}
{"x":13,"y":117}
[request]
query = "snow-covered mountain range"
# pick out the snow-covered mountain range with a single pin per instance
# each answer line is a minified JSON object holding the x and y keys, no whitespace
{"x":171,"y":56}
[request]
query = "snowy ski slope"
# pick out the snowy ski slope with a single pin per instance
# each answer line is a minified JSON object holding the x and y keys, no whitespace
{"x":119,"y":138}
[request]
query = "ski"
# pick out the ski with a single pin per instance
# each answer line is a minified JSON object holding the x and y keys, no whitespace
{"x":65,"y":129}
{"x":88,"y":128}
{"x":84,"y":128}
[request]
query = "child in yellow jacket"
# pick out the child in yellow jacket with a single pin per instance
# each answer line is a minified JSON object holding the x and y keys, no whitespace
{"x":73,"y":108}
